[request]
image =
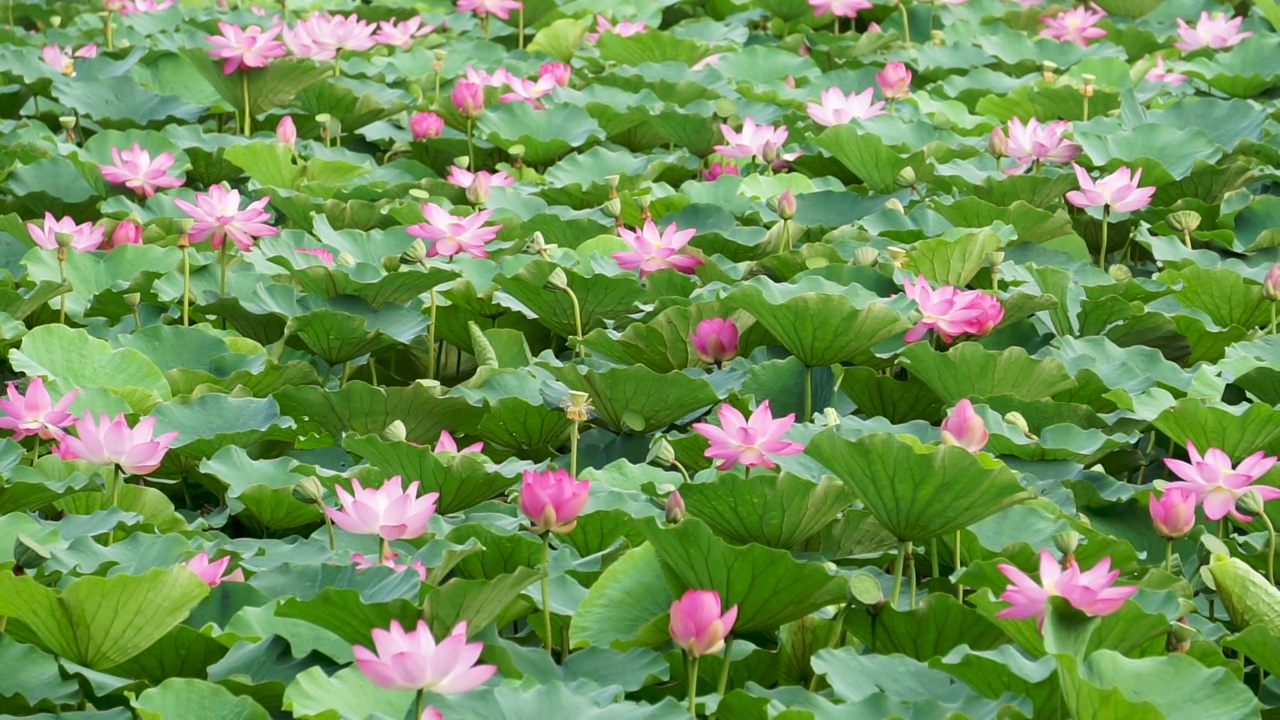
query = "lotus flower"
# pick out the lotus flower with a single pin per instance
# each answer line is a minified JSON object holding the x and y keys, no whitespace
{"x":446,"y":443}
{"x":894,"y":81}
{"x":127,"y":232}
{"x":411,"y":660}
{"x":1215,"y":31}
{"x":218,"y":216}
{"x":1160,"y":74}
{"x":552,"y":500}
{"x":364,"y":563}
{"x":498,"y":78}
{"x":529,"y":91}
{"x":286,"y":131}
{"x":697,"y":625}
{"x":212,"y":572}
{"x":1119,"y":191}
{"x":652,"y":250}
{"x":401,"y":34}
{"x":464,"y":178}
{"x":754,"y":140}
{"x":1217,"y":484}
{"x":1271,"y":283}
{"x":83,"y":237}
{"x":964,"y":428}
{"x":1091,"y":592}
{"x":447,"y":235}
{"x":34,"y":413}
{"x":321,"y":36}
{"x":750,"y":442}
{"x":558,"y":72}
{"x":1173,"y":513}
{"x":1034,"y":142}
{"x":431,"y":712}
{"x":952,"y":312}
{"x":135,"y":169}
{"x":144,"y":6}
{"x":323,"y":255}
{"x":63,"y":59}
{"x":468,"y":98}
{"x":113,"y":442}
{"x":1076,"y":25}
{"x":390,"y":512}
{"x":250,"y":47}
{"x":838,"y":109}
{"x":716,"y":340}
{"x":716,"y":169}
{"x":501,"y":8}
{"x":426,"y":125}
{"x":840,"y":8}
{"x":625,"y":28}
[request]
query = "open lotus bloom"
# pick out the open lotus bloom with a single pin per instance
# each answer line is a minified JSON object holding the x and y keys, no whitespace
{"x":1118,"y":191}
{"x":212,"y":573}
{"x":391,"y":512}
{"x":1217,"y":484}
{"x":137,"y":170}
{"x":248,"y":47}
{"x":66,"y":232}
{"x":321,"y":36}
{"x":837,"y":108}
{"x":34,"y":413}
{"x":749,"y":442}
{"x":1033,"y":142}
{"x":412,"y":660}
{"x":840,"y":8}
{"x":1216,"y":31}
{"x":218,"y":216}
{"x":653,"y":250}
{"x":501,"y":8}
{"x":1077,"y":25}
{"x":109,"y":442}
{"x":1092,"y":592}
{"x":752,"y":141}
{"x":447,"y":235}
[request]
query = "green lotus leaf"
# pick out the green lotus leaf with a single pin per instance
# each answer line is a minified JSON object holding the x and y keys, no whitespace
{"x":655,"y":46}
{"x":343,"y":612}
{"x":939,"y":625}
{"x":560,"y":39}
{"x":637,"y":399}
{"x":260,"y":492}
{"x":1226,"y":297}
{"x":196,"y":699}
{"x":263,"y":670}
{"x":954,"y":258}
{"x":857,"y":678}
{"x":546,"y":135}
{"x":969,"y":370}
{"x":600,"y":297}
{"x":33,"y":674}
{"x":364,"y":409}
{"x":75,"y":359}
{"x":121,"y":102}
{"x":477,"y":602}
{"x":895,"y":400}
{"x":864,"y":154}
{"x":775,"y":511}
{"x":269,"y":88}
{"x":352,"y":102}
{"x":183,"y":652}
{"x":1238,"y":431}
{"x":1107,"y":684}
{"x":210,"y":422}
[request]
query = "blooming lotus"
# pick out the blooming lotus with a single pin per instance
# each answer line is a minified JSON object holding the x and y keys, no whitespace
{"x":951,"y":312}
{"x":715,"y":170}
{"x":697,"y":625}
{"x":1160,"y":74}
{"x":463,"y":178}
{"x":135,"y":169}
{"x":448,"y":235}
{"x":212,"y":572}
{"x":113,"y":442}
{"x":426,"y":125}
{"x":894,"y":81}
{"x":558,"y":72}
{"x":552,"y":499}
{"x":840,"y":8}
{"x":401,"y":34}
{"x":1173,"y":513}
{"x":1215,"y":31}
{"x":653,"y":250}
{"x":1034,"y":142}
{"x":624,"y":28}
{"x":411,"y":660}
{"x":83,"y":237}
{"x":529,"y":91}
{"x":498,"y":78}
{"x":364,"y":563}
{"x":754,"y":140}
{"x":321,"y":254}
{"x":63,"y":59}
{"x":391,"y":512}
{"x":1217,"y":484}
{"x":144,"y":6}
{"x":1118,"y":191}
{"x":218,"y":216}
{"x":249,"y":47}
{"x":446,"y":443}
{"x":501,"y":8}
{"x":34,"y":413}
{"x":964,"y":428}
{"x":838,"y":109}
{"x":750,"y":442}
{"x":716,"y":340}
{"x":1076,"y":25}
{"x":1091,"y":592}
{"x":321,"y":36}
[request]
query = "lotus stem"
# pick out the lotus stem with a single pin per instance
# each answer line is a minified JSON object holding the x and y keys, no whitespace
{"x":114,"y":481}
{"x":959,"y":585}
{"x":723,"y":684}
{"x":1102,"y":254}
{"x":137,"y":318}
{"x":35,"y":453}
{"x":10,"y":27}
{"x":108,"y":28}
{"x":328,"y":525}
{"x":573,"y":448}
{"x":577,"y":321}
{"x":520,"y":28}
{"x":911,"y":571}
{"x":1222,"y":529}
{"x":62,"y":277}
{"x":384,"y":549}
{"x":808,"y":393}
{"x":933,"y":9}
{"x":433,"y":358}
{"x":903,"y":549}
{"x":933,"y":558}
{"x":1186,"y":237}
{"x":223,"y":260}
{"x":484,"y":22}
{"x":906,"y":23}
{"x":346,"y":374}
{"x":546,"y":591}
{"x":1168,"y":553}
{"x":1271,"y":547}
{"x":1086,"y":107}
{"x":683,"y":473}
{"x":1273,"y":318}
{"x":693,"y":687}
{"x":836,"y":26}
{"x":186,"y":286}
{"x":247,"y":128}
{"x":417,"y":704}
{"x":471,"y":149}
{"x":337,"y":69}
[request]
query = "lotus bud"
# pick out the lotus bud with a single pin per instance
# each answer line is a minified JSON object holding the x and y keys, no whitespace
{"x":1120,"y":273}
{"x":660,"y":452}
{"x":426,"y":125}
{"x":1087,"y":90}
{"x":29,"y":554}
{"x":612,"y":181}
{"x":577,"y":405}
{"x":897,"y":255}
{"x":1271,"y":284}
{"x":789,"y":81}
{"x":415,"y":254}
{"x":1251,"y":502}
{"x":309,"y":491}
{"x":939,"y":37}
{"x":770,"y":152}
{"x":1067,"y":542}
{"x":1049,"y":70}
{"x":392,"y":263}
{"x":787,"y":205}
{"x":675,"y":509}
{"x":286,"y":131}
{"x":440,"y":55}
{"x":127,"y":232}
{"x":64,"y":240}
{"x":612,"y":208}
{"x":906,"y":177}
{"x":478,"y":190}
{"x":831,"y":416}
{"x":463,"y":162}
{"x":395,"y":432}
{"x":133,"y":300}
{"x":895,"y":204}
{"x":345,"y":259}
{"x":1186,"y":221}
{"x":537,"y":244}
{"x":557,"y":281}
{"x":1179,"y":638}
{"x":468,"y":98}
{"x":1016,"y":419}
{"x":866,"y":589}
{"x":866,"y":256}
{"x":995,"y":257}
{"x":998,"y":143}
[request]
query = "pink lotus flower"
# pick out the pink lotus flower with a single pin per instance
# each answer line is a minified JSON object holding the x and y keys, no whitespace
{"x":127,"y":232}
{"x":250,"y":47}
{"x":750,"y":442}
{"x":432,"y":713}
{"x":464,"y":178}
{"x":708,"y":61}
{"x":390,"y":512}
{"x":1076,"y":25}
{"x":716,"y":169}
{"x":113,"y":442}
{"x":1160,"y":74}
{"x":558,"y":72}
{"x":63,"y":59}
{"x":1211,"y":31}
{"x":753,"y":141}
{"x":951,"y":312}
{"x":529,"y":91}
{"x":498,"y":79}
{"x":716,"y":340}
{"x":135,"y":169}
{"x":321,"y":36}
{"x":837,"y":109}
{"x":652,"y":250}
{"x":501,"y":8}
{"x":447,"y":235}
{"x":840,"y":8}
{"x":144,"y":6}
{"x":894,"y":81}
{"x":364,"y":563}
{"x":212,"y":572}
{"x":446,"y":443}
{"x":34,"y":413}
{"x":1119,"y":191}
{"x":321,"y":254}
{"x":1216,"y":484}
{"x":964,"y":428}
{"x":1174,"y":513}
{"x":468,"y":98}
{"x":401,"y":34}
{"x":697,"y":625}
{"x":1090,"y":592}
{"x":83,"y":237}
{"x":625,"y":28}
{"x":426,"y":125}
{"x":553,"y":500}
{"x":413,"y":661}
{"x":1034,"y":142}
{"x":218,"y":216}
{"x":990,"y":311}
{"x":286,"y":131}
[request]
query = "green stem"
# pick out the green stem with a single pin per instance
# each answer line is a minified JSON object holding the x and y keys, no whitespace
{"x":906,"y":23}
{"x":546,"y":590}
{"x":1222,"y":529}
{"x":384,"y":549}
{"x":1102,"y":255}
{"x":836,"y":28}
{"x":35,"y":454}
{"x":520,"y":29}
{"x":438,"y":86}
{"x":247,"y":127}
{"x":109,"y":28}
{"x":786,"y":235}
{"x":573,"y":449}
{"x":1273,"y":318}
{"x":1086,"y":107}
{"x":959,"y":587}
{"x":223,"y":260}
{"x":373,"y":371}
{"x":1168,"y":555}
{"x":1186,"y":237}
{"x":471,"y":150}
{"x":186,"y":287}
{"x":933,"y":9}
{"x":808,"y":393}
{"x":683,"y":473}
{"x":1271,"y":547}
{"x":724,"y":667}
{"x":114,"y":481}
{"x":911,"y":572}
{"x":62,"y":275}
{"x":577,"y":322}
{"x":417,"y":704}
{"x":328,"y":524}
{"x":903,"y":549}
{"x":693,"y":687}
{"x":484,"y":20}
{"x":933,"y":558}
{"x":346,"y":374}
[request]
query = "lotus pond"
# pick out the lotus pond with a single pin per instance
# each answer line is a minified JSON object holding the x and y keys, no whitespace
{"x":633,"y":360}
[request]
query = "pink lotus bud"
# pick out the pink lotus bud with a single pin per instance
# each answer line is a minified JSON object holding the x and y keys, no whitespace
{"x":769,"y":152}
{"x":127,"y":232}
{"x":716,"y":340}
{"x":557,"y":71}
{"x":787,"y":205}
{"x":1173,"y":513}
{"x":286,"y":131}
{"x":998,"y":144}
{"x":894,"y":81}
{"x":426,"y":125}
{"x":675,"y":510}
{"x":1271,"y":285}
{"x":468,"y":97}
{"x":697,"y":625}
{"x":432,"y":713}
{"x":789,"y":81}
{"x":964,"y":428}
{"x":553,"y":499}
{"x":478,"y":190}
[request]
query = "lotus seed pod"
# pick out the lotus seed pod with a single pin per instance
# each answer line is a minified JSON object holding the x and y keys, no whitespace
{"x":1016,"y":419}
{"x":612,"y":181}
{"x":1251,"y":502}
{"x":557,"y":281}
{"x":995,"y":258}
{"x":1179,"y":638}
{"x":395,"y":432}
{"x":133,"y":300}
{"x":831,"y":416}
{"x":67,"y":122}
{"x":866,"y":256}
{"x":309,"y":491}
{"x":612,"y":207}
{"x":1120,"y":273}
{"x":345,"y":259}
{"x":537,"y":244}
{"x":1049,"y":70}
{"x":1067,"y":542}
{"x":1184,"y":220}
{"x":463,"y":162}
{"x":414,"y":254}
{"x":906,"y":177}
{"x":897,"y":254}
{"x":577,"y":405}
